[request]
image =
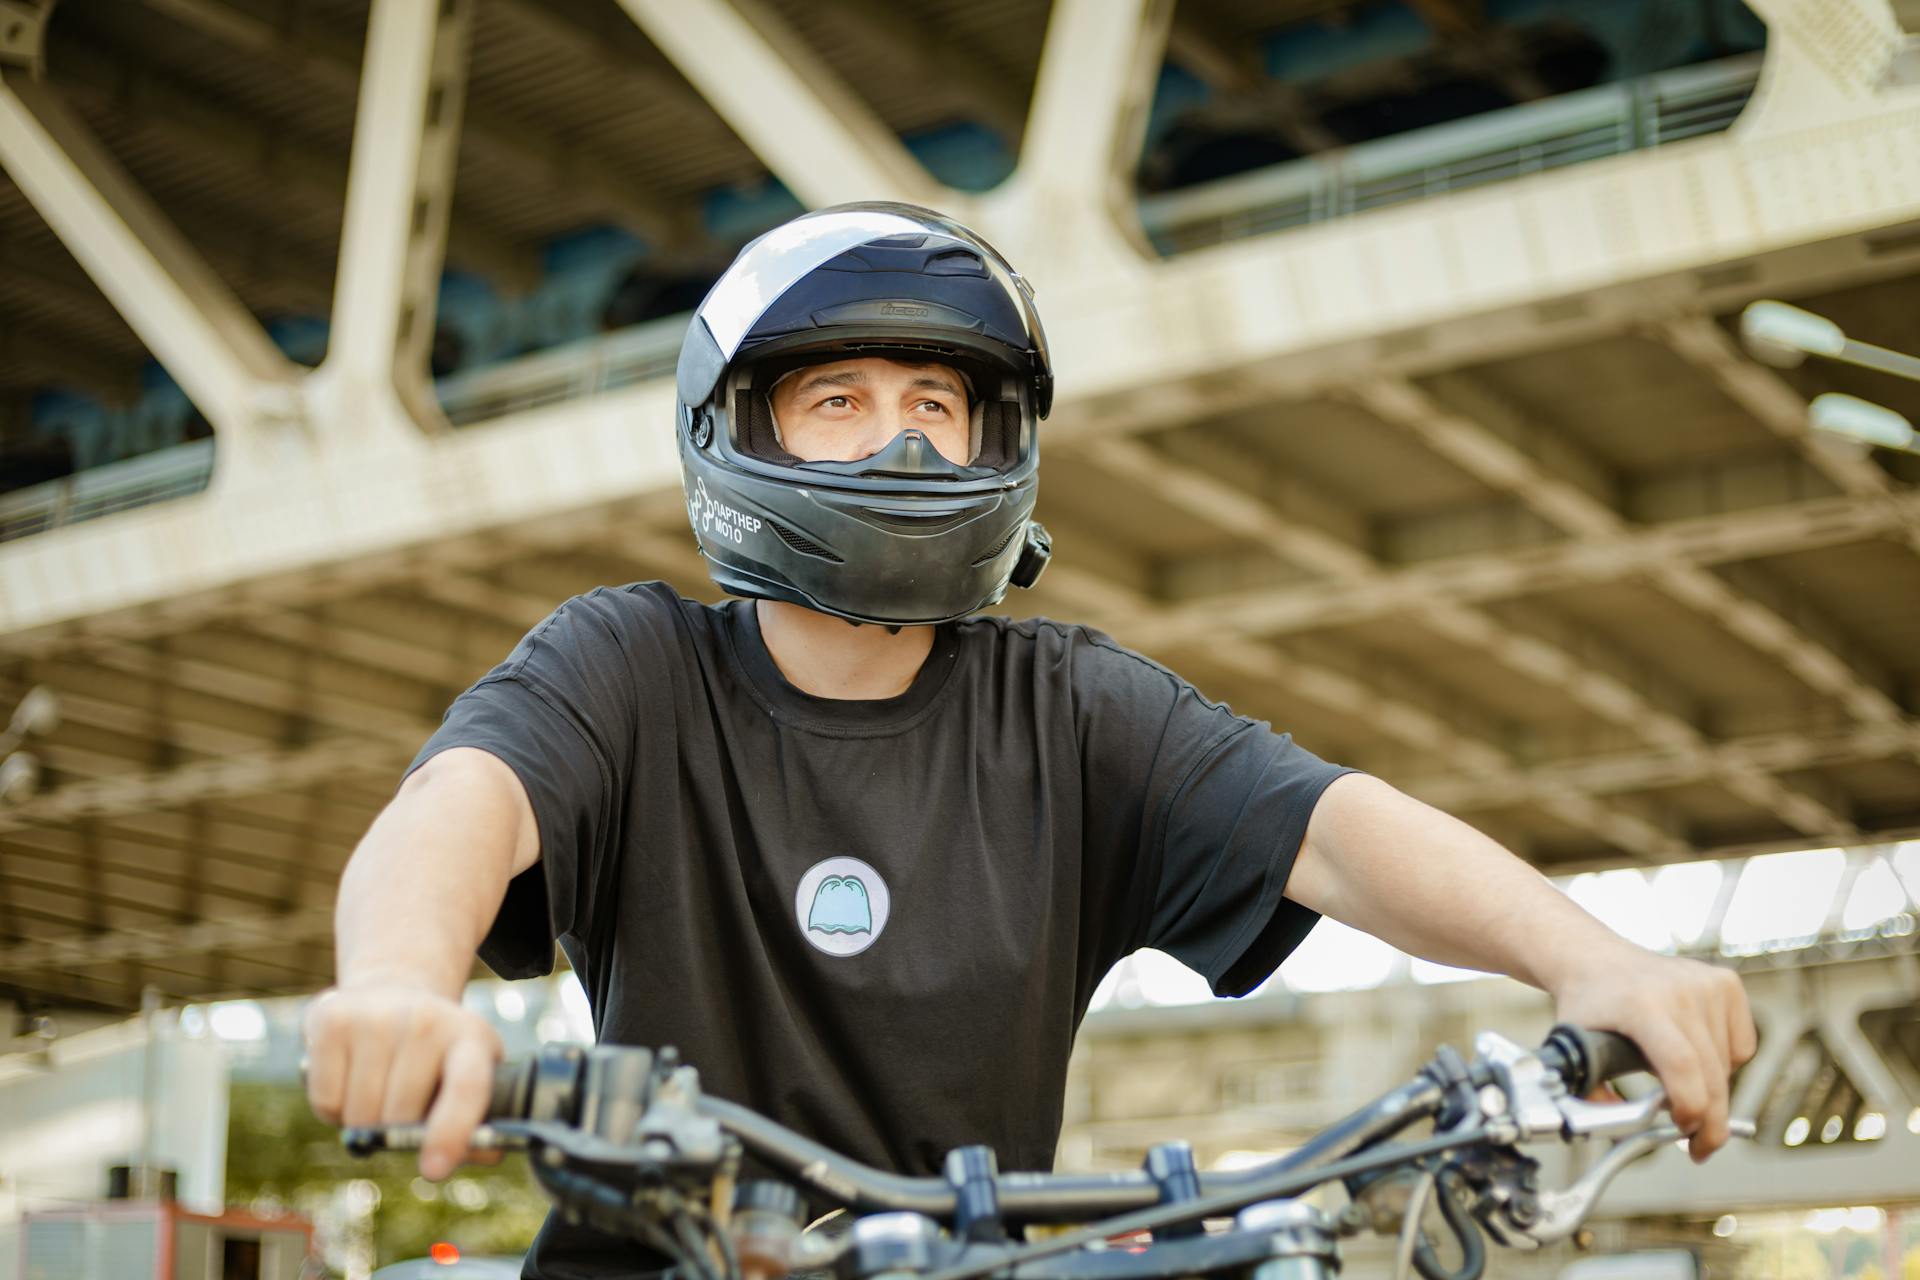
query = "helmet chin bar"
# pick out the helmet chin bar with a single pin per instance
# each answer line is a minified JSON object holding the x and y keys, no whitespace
{"x":908,"y":456}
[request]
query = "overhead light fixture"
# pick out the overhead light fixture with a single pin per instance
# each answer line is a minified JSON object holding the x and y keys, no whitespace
{"x":19,"y":777}
{"x":1785,"y":335}
{"x":38,"y":712}
{"x":1857,"y":419}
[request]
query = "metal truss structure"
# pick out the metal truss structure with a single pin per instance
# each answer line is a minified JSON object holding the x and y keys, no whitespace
{"x":1835,"y":1087}
{"x":1839,"y":1033}
{"x":1475,"y":492}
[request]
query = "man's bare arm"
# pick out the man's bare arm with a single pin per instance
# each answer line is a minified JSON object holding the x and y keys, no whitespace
{"x":392,"y":1039}
{"x":1431,"y":885}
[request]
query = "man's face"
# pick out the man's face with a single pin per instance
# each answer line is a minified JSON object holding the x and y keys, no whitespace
{"x":852,"y":409}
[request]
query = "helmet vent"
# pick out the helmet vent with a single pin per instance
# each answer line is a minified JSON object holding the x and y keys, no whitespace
{"x":1002,"y":546}
{"x":804,"y":545}
{"x":889,"y":347}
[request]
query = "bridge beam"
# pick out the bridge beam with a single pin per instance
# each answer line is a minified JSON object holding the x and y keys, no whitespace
{"x":1065,"y":212}
{"x":1398,"y":717}
{"x":808,"y":127}
{"x":1519,"y":571}
{"x":318,"y":49}
{"x":172,"y":299}
{"x":940,"y":58}
{"x":1657,"y":766}
{"x":85,"y":952}
{"x":206,"y":779}
{"x":321,"y":175}
{"x":1429,"y":731}
{"x":393,"y":240}
{"x":1552,"y":477}
{"x":1821,"y":70}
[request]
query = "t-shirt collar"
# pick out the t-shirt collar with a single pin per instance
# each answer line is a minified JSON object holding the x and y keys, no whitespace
{"x":796,"y":706}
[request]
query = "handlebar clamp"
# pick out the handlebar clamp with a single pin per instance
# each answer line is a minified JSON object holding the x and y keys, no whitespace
{"x":971,"y":1172}
{"x":1530,"y":1092}
{"x":1171,"y":1166}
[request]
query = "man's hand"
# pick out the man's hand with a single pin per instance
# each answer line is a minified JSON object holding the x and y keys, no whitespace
{"x":385,"y":1053}
{"x":1690,"y":1020}
{"x":1429,"y":884}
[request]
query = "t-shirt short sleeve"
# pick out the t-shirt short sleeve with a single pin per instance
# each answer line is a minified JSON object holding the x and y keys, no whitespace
{"x":560,"y":712}
{"x":1232,"y":834}
{"x":1209,"y":807}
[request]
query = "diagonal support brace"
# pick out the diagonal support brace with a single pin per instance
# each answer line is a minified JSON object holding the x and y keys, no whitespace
{"x":181,"y":310}
{"x":394,"y":237}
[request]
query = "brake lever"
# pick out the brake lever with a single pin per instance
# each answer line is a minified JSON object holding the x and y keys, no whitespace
{"x":1583,"y":1119}
{"x":1556,"y":1215}
{"x":1532,"y":1101}
{"x":1535,"y":1098}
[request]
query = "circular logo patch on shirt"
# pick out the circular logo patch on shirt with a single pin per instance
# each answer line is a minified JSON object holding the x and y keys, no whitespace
{"x":841,"y":905}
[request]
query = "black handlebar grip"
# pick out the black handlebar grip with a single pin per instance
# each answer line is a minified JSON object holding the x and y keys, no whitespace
{"x":1588,"y":1059}
{"x":363,"y":1142}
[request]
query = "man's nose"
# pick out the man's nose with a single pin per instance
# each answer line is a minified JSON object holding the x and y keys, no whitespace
{"x":883,"y":425}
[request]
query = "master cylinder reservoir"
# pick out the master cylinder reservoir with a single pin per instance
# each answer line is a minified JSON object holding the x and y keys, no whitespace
{"x":764,"y":1227}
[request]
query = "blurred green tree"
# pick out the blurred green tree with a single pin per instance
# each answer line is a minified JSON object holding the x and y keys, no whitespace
{"x":281,"y":1158}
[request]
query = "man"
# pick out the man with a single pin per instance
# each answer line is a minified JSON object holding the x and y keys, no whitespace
{"x":862,"y":855}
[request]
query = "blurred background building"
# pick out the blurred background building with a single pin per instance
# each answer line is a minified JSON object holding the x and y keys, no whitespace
{"x":1400,"y":404}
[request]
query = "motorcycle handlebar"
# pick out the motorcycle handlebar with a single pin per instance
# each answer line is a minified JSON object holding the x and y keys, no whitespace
{"x":555,"y":1086}
{"x":1588,"y":1059}
{"x":533,"y":1088}
{"x":512,"y":1085}
{"x":551,"y":1100}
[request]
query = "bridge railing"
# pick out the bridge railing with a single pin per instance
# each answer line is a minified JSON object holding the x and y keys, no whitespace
{"x":1573,"y":128}
{"x":587,"y":367}
{"x":173,"y":472}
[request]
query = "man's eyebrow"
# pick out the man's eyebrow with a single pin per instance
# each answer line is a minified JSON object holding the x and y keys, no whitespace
{"x":845,"y":378}
{"x":857,"y":378}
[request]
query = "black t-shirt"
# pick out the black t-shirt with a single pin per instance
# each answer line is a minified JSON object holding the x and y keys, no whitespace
{"x":878,"y":922}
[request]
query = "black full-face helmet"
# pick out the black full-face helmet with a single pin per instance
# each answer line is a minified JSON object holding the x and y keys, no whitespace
{"x":903,"y":536}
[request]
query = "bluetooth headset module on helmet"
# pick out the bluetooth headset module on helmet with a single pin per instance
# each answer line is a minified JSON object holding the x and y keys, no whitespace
{"x":904,"y":536}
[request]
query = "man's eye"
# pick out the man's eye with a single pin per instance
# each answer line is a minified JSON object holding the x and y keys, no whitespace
{"x":835,"y":402}
{"x":933,"y":404}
